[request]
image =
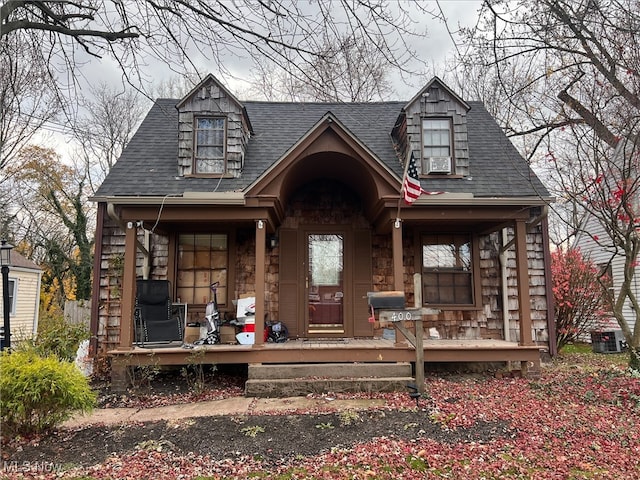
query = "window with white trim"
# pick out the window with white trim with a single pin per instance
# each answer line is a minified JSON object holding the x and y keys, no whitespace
{"x":209,"y":147}
{"x":436,"y":145}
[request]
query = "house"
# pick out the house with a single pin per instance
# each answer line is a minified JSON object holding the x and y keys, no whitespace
{"x":300,"y":206}
{"x":24,"y":297}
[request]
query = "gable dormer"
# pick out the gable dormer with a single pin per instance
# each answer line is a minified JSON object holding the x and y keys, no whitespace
{"x":433,"y":126}
{"x":213,"y":131}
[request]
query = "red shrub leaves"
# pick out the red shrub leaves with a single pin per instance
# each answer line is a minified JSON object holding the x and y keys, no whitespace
{"x":580,"y":302}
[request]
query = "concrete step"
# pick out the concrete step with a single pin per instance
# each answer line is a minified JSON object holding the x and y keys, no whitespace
{"x":290,"y":387}
{"x":329,"y":370}
{"x":292,"y":380}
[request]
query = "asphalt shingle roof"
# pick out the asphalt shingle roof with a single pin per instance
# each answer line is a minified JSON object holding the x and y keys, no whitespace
{"x":148,"y":166}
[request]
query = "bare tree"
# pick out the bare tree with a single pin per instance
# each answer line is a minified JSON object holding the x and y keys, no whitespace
{"x":345,"y":71}
{"x":109,"y":118}
{"x":564,"y":62}
{"x":292,"y":34}
{"x":569,"y":72}
{"x":26,"y":104}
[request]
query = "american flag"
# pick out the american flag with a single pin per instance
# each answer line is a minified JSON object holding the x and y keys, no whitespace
{"x":411,"y":184}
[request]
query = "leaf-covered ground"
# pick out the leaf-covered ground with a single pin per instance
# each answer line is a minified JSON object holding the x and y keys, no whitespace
{"x":579,"y":420}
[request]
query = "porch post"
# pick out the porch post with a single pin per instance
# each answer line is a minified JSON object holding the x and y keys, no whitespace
{"x":398,"y":270}
{"x":261,"y":239}
{"x":128,"y":293}
{"x":522,"y":272}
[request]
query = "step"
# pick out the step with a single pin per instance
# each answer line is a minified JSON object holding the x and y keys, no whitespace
{"x":328,"y":370}
{"x":294,"y":387}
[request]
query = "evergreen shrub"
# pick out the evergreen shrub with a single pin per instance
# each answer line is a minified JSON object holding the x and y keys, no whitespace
{"x":38,"y":393}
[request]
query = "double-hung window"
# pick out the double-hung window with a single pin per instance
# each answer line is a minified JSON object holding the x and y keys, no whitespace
{"x":209,"y":145}
{"x":447,"y":269}
{"x":436,"y":145}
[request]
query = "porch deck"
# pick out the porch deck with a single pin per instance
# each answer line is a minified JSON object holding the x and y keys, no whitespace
{"x":330,"y":351}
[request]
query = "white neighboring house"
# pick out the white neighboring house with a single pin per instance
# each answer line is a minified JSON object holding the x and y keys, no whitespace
{"x":596,"y":244}
{"x":599,"y":254}
{"x":24,"y":297}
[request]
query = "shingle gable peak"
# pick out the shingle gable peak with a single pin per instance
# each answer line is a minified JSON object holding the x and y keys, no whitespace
{"x":436,"y":81}
{"x":208,"y":81}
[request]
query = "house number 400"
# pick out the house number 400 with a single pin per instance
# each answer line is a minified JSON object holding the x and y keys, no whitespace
{"x":400,"y":316}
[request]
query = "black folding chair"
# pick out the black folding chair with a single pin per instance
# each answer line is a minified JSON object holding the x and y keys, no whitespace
{"x":154,"y":321}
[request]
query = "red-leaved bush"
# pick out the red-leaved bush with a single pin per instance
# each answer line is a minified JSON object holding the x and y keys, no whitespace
{"x":580,"y":301}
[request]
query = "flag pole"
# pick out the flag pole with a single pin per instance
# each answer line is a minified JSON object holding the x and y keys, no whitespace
{"x":404,"y":177}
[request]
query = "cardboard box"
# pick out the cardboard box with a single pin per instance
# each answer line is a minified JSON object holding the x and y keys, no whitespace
{"x":227,"y":334}
{"x":191,"y":334}
{"x":246,"y":307}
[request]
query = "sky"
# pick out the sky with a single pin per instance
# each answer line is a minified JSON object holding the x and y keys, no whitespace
{"x":433,"y":48}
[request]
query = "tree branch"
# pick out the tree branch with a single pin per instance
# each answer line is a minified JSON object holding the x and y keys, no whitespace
{"x":589,"y":118}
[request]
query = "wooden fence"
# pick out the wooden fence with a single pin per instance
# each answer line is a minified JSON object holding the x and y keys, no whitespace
{"x":78,"y":312}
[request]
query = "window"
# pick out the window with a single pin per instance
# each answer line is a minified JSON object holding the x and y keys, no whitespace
{"x":436,"y":145}
{"x":12,"y":296}
{"x":209,"y":148}
{"x":202,"y":260}
{"x":447,"y":273}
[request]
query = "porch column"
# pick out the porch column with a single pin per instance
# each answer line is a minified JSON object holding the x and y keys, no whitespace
{"x":396,"y":241}
{"x":261,"y":239}
{"x":522,"y":271}
{"x":128,"y":294}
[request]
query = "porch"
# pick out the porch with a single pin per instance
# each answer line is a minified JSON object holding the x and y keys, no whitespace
{"x":326,"y":351}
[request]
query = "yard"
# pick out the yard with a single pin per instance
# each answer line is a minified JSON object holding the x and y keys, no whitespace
{"x":579,"y":420}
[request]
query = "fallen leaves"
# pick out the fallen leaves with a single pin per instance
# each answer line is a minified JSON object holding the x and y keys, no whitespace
{"x":571,"y":423}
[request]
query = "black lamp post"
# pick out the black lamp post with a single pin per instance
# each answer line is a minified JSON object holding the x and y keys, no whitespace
{"x":5,"y":261}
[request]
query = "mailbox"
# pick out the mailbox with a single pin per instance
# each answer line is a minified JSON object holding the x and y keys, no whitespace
{"x":393,"y":300}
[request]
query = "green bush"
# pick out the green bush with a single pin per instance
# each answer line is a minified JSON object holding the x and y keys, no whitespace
{"x":58,"y":337}
{"x":37,"y":393}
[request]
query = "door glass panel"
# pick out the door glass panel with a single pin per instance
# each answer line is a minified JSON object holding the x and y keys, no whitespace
{"x":325,"y":280}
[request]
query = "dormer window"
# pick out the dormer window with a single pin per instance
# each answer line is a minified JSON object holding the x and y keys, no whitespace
{"x":209,"y":148}
{"x":436,"y":146}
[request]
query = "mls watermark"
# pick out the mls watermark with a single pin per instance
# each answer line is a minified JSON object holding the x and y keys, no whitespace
{"x":41,"y":466}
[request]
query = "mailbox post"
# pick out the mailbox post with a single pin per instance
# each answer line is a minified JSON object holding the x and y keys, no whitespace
{"x":391,"y":308}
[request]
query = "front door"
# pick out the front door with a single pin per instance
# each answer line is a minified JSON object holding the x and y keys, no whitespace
{"x":324,"y":275}
{"x":325,"y":283}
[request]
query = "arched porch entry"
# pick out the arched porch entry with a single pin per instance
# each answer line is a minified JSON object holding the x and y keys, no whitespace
{"x":326,"y":197}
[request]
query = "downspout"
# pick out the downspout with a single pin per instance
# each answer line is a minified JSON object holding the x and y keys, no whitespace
{"x":551,"y":320}
{"x":95,"y":288}
{"x":504,"y":286}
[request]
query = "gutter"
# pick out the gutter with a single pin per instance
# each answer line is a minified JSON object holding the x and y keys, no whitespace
{"x":467,"y":199}
{"x":186,"y":198}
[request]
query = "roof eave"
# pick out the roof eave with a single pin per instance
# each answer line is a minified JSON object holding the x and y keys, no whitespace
{"x":186,"y":198}
{"x":467,"y":199}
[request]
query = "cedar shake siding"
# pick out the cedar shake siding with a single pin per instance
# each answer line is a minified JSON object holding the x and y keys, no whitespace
{"x":267,"y":180}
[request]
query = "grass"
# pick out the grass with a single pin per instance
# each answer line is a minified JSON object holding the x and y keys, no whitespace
{"x":576,"y":348}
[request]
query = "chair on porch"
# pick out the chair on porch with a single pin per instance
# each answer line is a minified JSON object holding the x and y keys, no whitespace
{"x":154,"y":321}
